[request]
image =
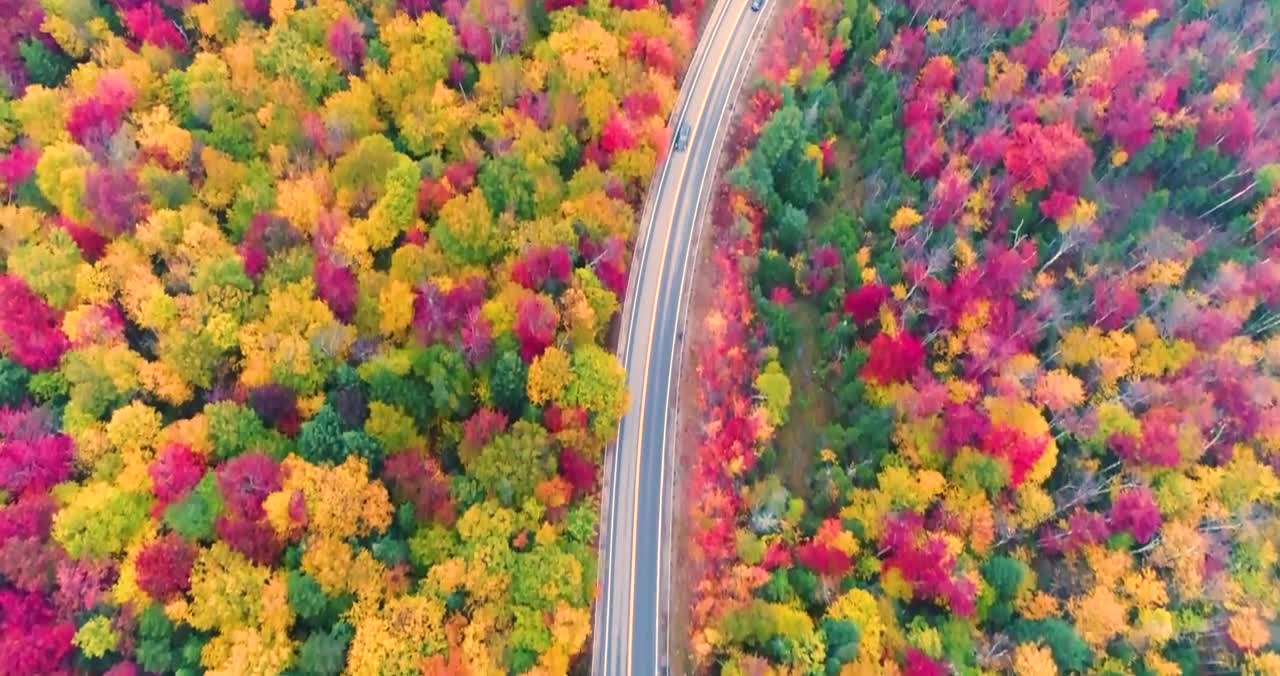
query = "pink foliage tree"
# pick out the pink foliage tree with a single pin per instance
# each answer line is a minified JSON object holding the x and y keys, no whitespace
{"x":893,"y":359}
{"x":1135,"y":511}
{"x":174,"y":472}
{"x":535,"y":328}
{"x":439,"y":315}
{"x":346,"y":43}
{"x":245,"y":481}
{"x":543,"y":268}
{"x":923,"y":560}
{"x":32,"y":639}
{"x":30,"y":332}
{"x":149,"y":24}
{"x":164,"y":567}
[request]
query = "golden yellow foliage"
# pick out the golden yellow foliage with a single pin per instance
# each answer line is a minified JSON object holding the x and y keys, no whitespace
{"x":912,"y":490}
{"x":395,"y":304}
{"x":1181,"y":551}
{"x":859,"y":606}
{"x":1099,"y":616}
{"x":904,"y":219}
{"x":134,"y":429}
{"x":1034,"y":604}
{"x":1031,"y":659}
{"x":393,"y":637}
{"x":247,"y":652}
{"x":1153,"y":627}
{"x":1264,"y":664}
{"x":226,"y":590}
{"x":1145,"y":589}
{"x":549,"y":375}
{"x":342,"y":501}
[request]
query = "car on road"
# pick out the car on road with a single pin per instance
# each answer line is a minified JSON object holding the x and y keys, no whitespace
{"x":682,"y":136}
{"x":756,"y":5}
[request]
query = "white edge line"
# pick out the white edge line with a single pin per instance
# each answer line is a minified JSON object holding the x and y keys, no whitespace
{"x":681,"y":301}
{"x":648,"y":214}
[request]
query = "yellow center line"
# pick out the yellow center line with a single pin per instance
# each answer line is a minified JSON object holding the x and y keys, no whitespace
{"x":716,"y":140}
{"x":635,"y":511}
{"x":696,"y":67}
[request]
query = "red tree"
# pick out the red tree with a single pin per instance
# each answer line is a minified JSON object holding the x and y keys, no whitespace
{"x":417,"y":479}
{"x":256,"y":539}
{"x":535,"y":327}
{"x":245,"y":481}
{"x":893,"y":359}
{"x":148,"y":23}
{"x":164,"y":567}
{"x":1038,"y":155}
{"x":578,"y":471}
{"x":863,"y":303}
{"x":1015,"y":448}
{"x":540,"y":266}
{"x":822,"y":559}
{"x":482,"y":427}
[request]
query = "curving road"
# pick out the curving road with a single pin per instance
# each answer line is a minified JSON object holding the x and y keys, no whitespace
{"x":629,"y":632}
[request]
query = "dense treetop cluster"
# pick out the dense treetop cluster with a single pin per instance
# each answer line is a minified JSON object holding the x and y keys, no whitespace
{"x":301,"y":310}
{"x":1033,"y":245}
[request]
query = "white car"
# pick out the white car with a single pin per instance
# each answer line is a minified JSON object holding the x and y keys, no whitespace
{"x":756,"y":5}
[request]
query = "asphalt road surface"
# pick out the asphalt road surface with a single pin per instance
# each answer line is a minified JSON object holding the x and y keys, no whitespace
{"x":630,"y":632}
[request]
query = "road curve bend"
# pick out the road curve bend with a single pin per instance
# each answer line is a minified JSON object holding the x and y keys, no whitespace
{"x":629,"y":633}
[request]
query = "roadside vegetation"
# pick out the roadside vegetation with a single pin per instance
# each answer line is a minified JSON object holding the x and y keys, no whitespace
{"x":1047,"y":342}
{"x":302,"y":322}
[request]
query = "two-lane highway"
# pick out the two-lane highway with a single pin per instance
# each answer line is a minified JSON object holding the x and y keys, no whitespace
{"x":630,"y":636}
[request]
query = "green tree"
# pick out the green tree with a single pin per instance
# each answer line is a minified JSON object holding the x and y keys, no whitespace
{"x":13,"y":382}
{"x":507,"y":383}
{"x":841,"y":638}
{"x":777,"y":589}
{"x":306,"y":599}
{"x":777,"y":323}
{"x":448,"y":378}
{"x":194,"y":516}
{"x":790,"y":229}
{"x":508,"y":185}
{"x":599,"y":386}
{"x":1070,"y":652}
{"x":467,"y":232}
{"x":325,"y":653}
{"x":511,"y":465}
{"x":323,"y":439}
{"x":781,"y":146}
{"x":358,"y":174}
{"x":44,"y":66}
{"x":774,"y":270}
{"x":805,"y":584}
{"x":235,"y":429}
{"x":1003,"y":574}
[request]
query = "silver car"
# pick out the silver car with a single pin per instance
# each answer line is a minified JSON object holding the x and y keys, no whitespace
{"x":756,"y":5}
{"x":682,"y":136}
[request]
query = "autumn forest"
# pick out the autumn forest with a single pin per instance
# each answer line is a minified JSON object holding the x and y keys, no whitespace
{"x":307,"y":361}
{"x":303,"y":316}
{"x":993,"y":387}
